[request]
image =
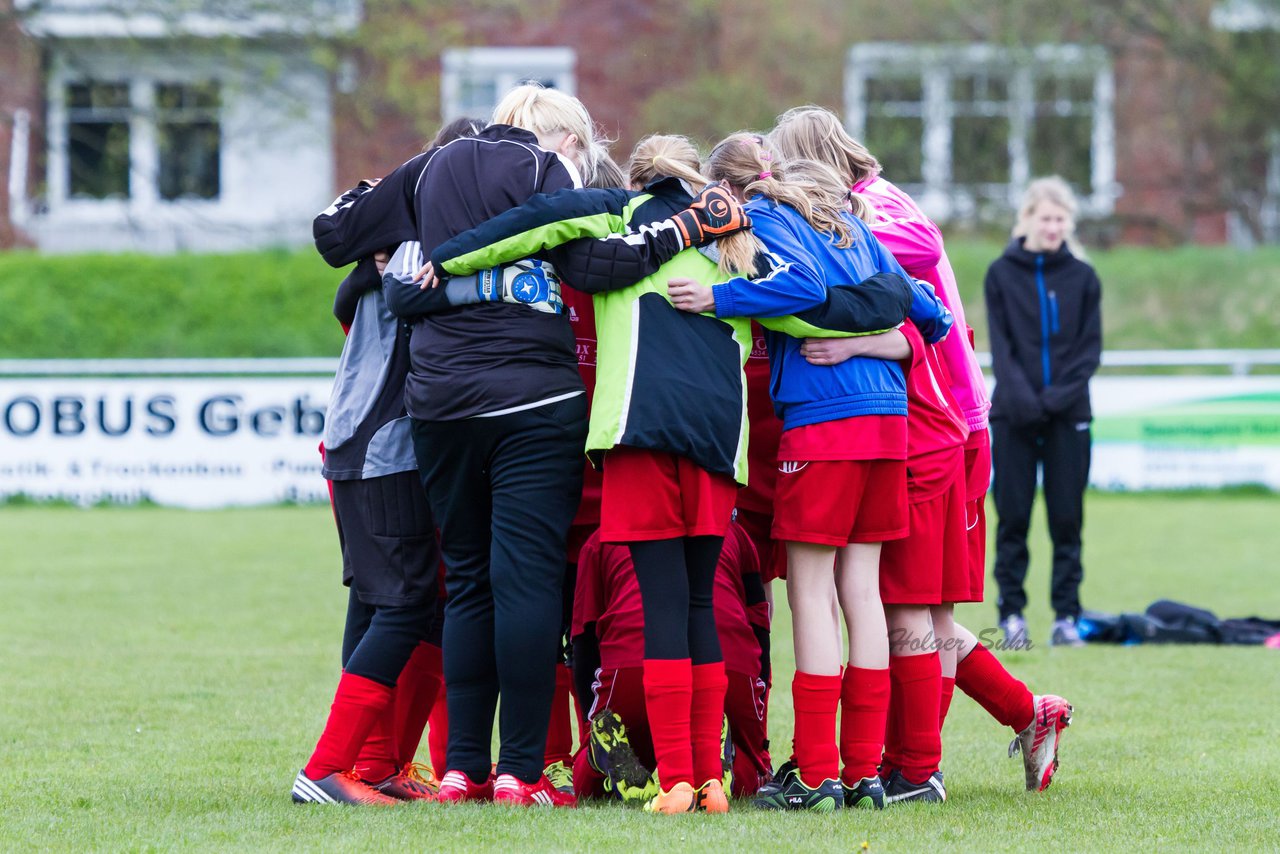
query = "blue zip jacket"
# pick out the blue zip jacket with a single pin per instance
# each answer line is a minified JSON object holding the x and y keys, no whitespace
{"x":804,"y":260}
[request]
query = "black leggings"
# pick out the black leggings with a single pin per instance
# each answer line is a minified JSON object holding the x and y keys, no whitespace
{"x":677,"y":587}
{"x":378,"y":640}
{"x":504,"y":491}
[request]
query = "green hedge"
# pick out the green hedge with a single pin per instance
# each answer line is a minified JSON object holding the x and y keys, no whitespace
{"x":273,"y":303}
{"x":278,"y":303}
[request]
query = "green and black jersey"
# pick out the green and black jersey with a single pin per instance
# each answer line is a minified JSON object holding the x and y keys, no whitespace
{"x":666,"y":380}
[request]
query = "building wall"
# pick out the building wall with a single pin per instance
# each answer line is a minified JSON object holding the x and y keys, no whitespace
{"x":19,"y":90}
{"x":627,"y":55}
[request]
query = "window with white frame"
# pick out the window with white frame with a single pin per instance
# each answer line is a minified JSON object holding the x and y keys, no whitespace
{"x":135,"y":140}
{"x":98,"y":115}
{"x":964,"y":125}
{"x":473,"y":80}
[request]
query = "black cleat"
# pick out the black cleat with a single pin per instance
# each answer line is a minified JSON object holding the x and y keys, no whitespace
{"x":867,"y":795}
{"x":900,"y":790}
{"x":790,"y":793}
{"x":610,"y":753}
{"x":341,"y":787}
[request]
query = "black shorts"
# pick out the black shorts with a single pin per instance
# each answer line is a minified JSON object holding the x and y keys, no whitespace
{"x":388,"y":538}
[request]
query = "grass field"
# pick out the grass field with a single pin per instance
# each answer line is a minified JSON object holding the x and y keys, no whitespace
{"x":167,"y":672}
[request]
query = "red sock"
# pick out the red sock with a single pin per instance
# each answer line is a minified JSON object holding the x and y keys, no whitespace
{"x":416,"y":693}
{"x":948,"y":691}
{"x":817,"y":700}
{"x":921,"y":679}
{"x":706,"y":718}
{"x":378,"y":759}
{"x":560,"y":727}
{"x":668,"y":701}
{"x":981,"y":675}
{"x":892,"y":759}
{"x":438,"y":734}
{"x":357,"y":705}
{"x":864,"y":709}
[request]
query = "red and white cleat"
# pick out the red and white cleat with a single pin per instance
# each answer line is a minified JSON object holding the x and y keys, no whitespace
{"x":513,"y":791}
{"x":456,"y":787}
{"x":1039,"y":741}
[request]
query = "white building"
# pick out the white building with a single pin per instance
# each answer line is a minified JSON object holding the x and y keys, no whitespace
{"x":170,"y":126}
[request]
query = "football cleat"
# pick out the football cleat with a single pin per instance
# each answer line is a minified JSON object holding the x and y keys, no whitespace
{"x":510,"y":790}
{"x":711,"y":798}
{"x":867,"y":795}
{"x":727,"y":755}
{"x":415,"y":782}
{"x":609,"y":752}
{"x":561,"y":777}
{"x":1015,"y":632}
{"x":341,"y":787}
{"x":901,"y":790}
{"x":789,"y":792}
{"x":681,"y":798}
{"x":1065,"y":633}
{"x":456,"y":787}
{"x":1039,"y":741}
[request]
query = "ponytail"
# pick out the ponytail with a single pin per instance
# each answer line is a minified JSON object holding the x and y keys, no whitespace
{"x":668,"y":156}
{"x":742,"y":161}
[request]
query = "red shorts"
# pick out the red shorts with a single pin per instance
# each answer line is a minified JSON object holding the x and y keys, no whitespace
{"x":931,"y":566}
{"x":773,"y":557}
{"x":655,"y":495}
{"x":837,"y":502}
{"x":977,"y":476}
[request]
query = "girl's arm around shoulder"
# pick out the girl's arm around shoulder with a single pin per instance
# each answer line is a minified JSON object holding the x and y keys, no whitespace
{"x":544,"y":221}
{"x":793,"y":283}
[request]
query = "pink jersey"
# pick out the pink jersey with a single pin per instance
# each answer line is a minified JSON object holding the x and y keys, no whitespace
{"x":916,"y":243}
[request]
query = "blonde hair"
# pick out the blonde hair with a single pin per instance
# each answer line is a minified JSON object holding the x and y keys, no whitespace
{"x":609,"y":175}
{"x":670,"y":156}
{"x":1055,"y":190}
{"x":544,"y":111}
{"x":828,"y":182}
{"x":814,"y":133}
{"x":742,"y":161}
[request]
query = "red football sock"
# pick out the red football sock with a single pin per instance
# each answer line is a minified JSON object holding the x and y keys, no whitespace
{"x":357,"y":705}
{"x":377,"y":759}
{"x":668,"y":700}
{"x":706,"y":719}
{"x":816,"y":700}
{"x":416,"y":693}
{"x":948,"y":691}
{"x":921,"y":679}
{"x":438,"y":734}
{"x":560,"y":727}
{"x":864,"y":709}
{"x":981,"y":675}
{"x":892,"y":759}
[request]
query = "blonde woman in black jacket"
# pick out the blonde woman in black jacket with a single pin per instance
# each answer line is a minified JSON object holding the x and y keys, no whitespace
{"x":1043,"y":309}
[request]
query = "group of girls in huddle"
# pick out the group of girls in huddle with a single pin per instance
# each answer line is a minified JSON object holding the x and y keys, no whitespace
{"x":869,"y":469}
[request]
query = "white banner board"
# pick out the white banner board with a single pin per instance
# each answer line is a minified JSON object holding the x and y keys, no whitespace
{"x":1185,"y":432}
{"x":189,"y":442}
{"x":216,"y":442}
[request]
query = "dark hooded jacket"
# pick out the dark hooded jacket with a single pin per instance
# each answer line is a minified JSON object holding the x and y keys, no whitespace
{"x":1043,"y":313}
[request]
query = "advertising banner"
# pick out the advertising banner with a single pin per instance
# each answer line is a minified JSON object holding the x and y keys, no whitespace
{"x":216,"y":442}
{"x":189,"y":442}
{"x":1185,"y":432}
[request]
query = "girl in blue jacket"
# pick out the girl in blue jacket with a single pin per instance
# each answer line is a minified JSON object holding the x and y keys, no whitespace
{"x":841,"y":488}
